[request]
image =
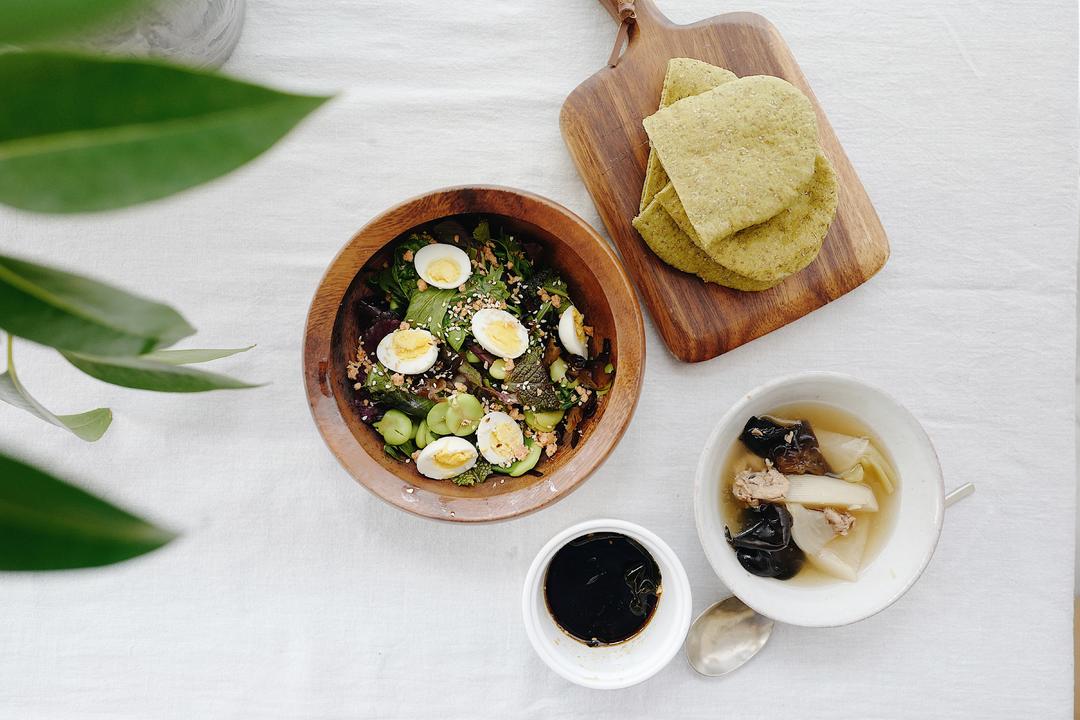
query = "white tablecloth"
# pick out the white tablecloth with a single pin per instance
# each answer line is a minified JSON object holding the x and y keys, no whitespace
{"x":293,"y":593}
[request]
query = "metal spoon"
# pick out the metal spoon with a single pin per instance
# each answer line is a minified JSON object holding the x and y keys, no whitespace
{"x":729,"y":633}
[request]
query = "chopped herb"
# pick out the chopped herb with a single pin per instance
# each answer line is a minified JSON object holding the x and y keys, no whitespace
{"x":398,"y":452}
{"x":482,"y":233}
{"x":490,"y":285}
{"x":398,"y":278}
{"x":376,"y":324}
{"x":509,"y":252}
{"x":529,"y":380}
{"x":384,"y":393}
{"x":475,"y":475}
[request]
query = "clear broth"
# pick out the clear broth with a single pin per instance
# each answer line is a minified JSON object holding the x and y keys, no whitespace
{"x":821,"y":417}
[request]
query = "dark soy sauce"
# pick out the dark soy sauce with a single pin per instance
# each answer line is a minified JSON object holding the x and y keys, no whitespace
{"x":602,"y":588}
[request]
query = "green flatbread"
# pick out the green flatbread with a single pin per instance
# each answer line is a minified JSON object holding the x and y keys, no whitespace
{"x":669,"y":199}
{"x":737,"y":154}
{"x":780,"y":246}
{"x":685,"y":78}
{"x":674,"y":247}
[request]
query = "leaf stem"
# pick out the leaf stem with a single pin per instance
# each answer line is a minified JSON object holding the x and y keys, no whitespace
{"x":89,"y":426}
{"x":11,"y":361}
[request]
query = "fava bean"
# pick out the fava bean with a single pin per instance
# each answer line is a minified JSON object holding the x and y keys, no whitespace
{"x":395,"y":427}
{"x":543,"y":421}
{"x":436,"y":419}
{"x":463,"y":414}
{"x":557,"y":371}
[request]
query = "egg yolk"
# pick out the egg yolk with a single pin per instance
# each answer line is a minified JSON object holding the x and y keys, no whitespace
{"x":504,"y":335}
{"x":410,"y":344}
{"x":506,"y":439}
{"x":579,"y":324}
{"x":444,"y":270}
{"x":451,"y":458}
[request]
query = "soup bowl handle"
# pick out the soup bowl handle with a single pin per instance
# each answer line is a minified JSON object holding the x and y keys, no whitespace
{"x":955,"y":496}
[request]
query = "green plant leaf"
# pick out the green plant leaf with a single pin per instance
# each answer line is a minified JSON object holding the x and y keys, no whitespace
{"x":80,"y":133}
{"x":89,"y":426}
{"x":148,"y":374}
{"x":47,"y":524}
{"x":188,"y":357}
{"x":71,"y":312}
{"x":31,"y":20}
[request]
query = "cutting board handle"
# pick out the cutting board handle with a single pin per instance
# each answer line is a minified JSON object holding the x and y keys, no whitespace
{"x":635,"y":18}
{"x":645,"y":10}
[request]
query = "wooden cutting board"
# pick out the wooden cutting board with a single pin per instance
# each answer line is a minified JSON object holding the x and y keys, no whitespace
{"x":601,"y":123}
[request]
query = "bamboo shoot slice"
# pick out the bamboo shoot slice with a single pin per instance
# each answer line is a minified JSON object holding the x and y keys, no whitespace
{"x":814,"y":536}
{"x":809,"y":528}
{"x":855,"y":474}
{"x":851,"y":548}
{"x":824,"y":491}
{"x":842,"y":452}
{"x":829,"y":562}
{"x":847,"y":454}
{"x":876,"y":460}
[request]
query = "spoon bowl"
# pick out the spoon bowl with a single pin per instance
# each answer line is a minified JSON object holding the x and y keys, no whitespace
{"x":725,"y":636}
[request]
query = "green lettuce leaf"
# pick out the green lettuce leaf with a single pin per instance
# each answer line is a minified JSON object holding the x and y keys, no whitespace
{"x":427,"y":309}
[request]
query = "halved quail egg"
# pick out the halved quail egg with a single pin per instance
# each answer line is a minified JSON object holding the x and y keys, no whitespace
{"x":500,"y":333}
{"x":446,"y":457}
{"x":500,"y":439}
{"x":443,"y":266}
{"x":411,"y":351}
{"x":572,"y":332}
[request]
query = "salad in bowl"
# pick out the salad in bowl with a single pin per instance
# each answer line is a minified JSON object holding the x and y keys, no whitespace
{"x":472,"y":359}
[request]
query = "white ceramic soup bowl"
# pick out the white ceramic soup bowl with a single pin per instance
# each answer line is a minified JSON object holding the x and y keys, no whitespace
{"x":904,"y":553}
{"x":613,"y":666}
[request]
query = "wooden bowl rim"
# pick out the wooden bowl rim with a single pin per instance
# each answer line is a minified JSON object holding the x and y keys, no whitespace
{"x":621,"y":299}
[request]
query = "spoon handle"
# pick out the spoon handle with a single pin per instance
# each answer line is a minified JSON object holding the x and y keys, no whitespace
{"x":959,"y":493}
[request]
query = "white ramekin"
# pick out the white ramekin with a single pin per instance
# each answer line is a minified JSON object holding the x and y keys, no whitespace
{"x":615,"y":666}
{"x":904,"y":554}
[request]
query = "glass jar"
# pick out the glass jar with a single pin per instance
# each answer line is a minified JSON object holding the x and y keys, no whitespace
{"x":198,"y":33}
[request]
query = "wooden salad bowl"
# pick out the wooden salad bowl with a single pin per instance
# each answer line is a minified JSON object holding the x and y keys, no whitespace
{"x":598,"y":286}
